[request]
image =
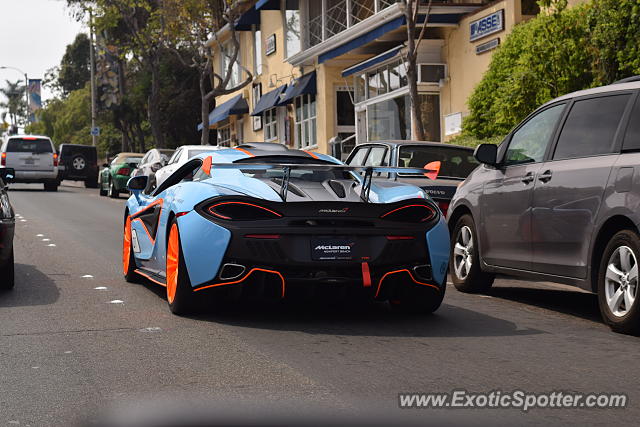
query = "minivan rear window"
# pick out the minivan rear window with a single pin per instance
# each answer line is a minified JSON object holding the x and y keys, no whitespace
{"x":455,"y":163}
{"x":19,"y":145}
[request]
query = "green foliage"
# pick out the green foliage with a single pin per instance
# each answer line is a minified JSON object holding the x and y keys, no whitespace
{"x":75,"y":70}
{"x":14,"y":103}
{"x":467,"y":140}
{"x":541,"y":59}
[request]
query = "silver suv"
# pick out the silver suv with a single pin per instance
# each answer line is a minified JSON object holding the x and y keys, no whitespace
{"x":34,"y":159}
{"x":559,"y":200}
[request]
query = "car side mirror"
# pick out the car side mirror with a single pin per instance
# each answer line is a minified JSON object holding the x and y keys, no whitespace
{"x":487,"y":154}
{"x":137,"y":183}
{"x":7,"y":174}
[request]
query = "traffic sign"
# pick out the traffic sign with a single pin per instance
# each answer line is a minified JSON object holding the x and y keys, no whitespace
{"x":95,"y":131}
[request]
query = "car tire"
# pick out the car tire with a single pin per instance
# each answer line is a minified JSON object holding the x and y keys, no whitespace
{"x":91,"y":183}
{"x":51,"y":186}
{"x":418,"y":299}
{"x":128,"y":260}
{"x":466,"y":273}
{"x":113,"y":193}
{"x":8,"y":274}
{"x":179,"y":290}
{"x":618,"y":283}
{"x":102,"y":191}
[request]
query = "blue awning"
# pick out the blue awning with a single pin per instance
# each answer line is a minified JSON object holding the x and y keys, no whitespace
{"x":235,"y":106}
{"x":268,"y":100}
{"x":247,"y":19}
{"x":300,"y":86}
{"x":268,"y":4}
{"x":372,"y":61}
{"x":362,"y":40}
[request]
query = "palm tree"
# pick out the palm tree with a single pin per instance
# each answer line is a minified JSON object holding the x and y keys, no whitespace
{"x":15,"y":103}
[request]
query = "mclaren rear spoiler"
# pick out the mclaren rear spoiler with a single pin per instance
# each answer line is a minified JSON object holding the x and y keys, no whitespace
{"x":367,"y":171}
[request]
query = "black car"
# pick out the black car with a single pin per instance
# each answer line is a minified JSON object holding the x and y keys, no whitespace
{"x":456,"y":163}
{"x":7,"y":226}
{"x":79,"y":163}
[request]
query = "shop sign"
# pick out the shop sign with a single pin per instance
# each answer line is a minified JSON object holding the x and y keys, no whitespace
{"x":486,"y":47}
{"x":490,"y":24}
{"x":270,"y":45}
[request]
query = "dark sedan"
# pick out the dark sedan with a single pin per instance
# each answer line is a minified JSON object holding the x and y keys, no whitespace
{"x":455,"y":164}
{"x":7,"y":226}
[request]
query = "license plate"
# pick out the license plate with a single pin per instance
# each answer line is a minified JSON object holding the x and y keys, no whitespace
{"x":332,"y":249}
{"x":29,"y":161}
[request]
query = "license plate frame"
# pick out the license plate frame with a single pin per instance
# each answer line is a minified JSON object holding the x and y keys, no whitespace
{"x":333,"y":248}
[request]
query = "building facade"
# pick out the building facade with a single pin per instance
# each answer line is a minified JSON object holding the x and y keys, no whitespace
{"x":327,"y":68}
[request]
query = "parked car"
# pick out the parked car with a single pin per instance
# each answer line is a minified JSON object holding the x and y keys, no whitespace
{"x":456,"y":163}
{"x":559,"y":200}
{"x":78,"y":163}
{"x":114,"y":176}
{"x":177,"y":159}
{"x":33,"y":158}
{"x":153,"y":160}
{"x":7,"y":227}
{"x":250,"y":222}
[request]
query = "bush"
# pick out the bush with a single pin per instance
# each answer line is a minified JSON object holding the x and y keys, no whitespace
{"x":471,"y":141}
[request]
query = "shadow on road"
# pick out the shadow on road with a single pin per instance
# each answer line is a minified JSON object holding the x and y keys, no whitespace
{"x":32,"y":288}
{"x":576,"y":303}
{"x":374,"y":319}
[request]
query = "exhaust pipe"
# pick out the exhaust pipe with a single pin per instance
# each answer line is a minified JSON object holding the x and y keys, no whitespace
{"x":231,"y":271}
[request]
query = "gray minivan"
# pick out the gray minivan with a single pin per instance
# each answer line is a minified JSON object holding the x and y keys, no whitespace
{"x":559,"y":200}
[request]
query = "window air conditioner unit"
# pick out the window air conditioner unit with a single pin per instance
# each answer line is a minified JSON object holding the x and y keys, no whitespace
{"x":432,"y":73}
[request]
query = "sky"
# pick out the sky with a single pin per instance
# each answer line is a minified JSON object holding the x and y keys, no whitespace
{"x":33,"y":37}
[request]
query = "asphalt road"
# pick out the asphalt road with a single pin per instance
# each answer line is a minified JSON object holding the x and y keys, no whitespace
{"x":76,"y":340}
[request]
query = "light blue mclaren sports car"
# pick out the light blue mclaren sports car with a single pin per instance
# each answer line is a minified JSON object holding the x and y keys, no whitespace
{"x":262,"y":220}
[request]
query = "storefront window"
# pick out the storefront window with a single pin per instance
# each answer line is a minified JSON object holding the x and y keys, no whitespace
{"x":390,"y":119}
{"x":270,"y":124}
{"x":384,"y":79}
{"x":224,"y":135}
{"x":292,"y":27}
{"x":305,"y":122}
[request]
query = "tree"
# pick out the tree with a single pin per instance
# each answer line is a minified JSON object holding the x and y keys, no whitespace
{"x":188,"y":26}
{"x":15,"y":104}
{"x":411,"y":9}
{"x":75,"y":69}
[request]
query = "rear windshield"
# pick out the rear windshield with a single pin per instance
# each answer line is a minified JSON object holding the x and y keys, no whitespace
{"x":19,"y":145}
{"x":193,"y":153}
{"x":134,"y":160}
{"x":455,"y":162}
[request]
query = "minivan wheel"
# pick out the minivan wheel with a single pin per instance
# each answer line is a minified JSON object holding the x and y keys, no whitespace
{"x":51,"y":186}
{"x":466,"y":274}
{"x":618,"y":283}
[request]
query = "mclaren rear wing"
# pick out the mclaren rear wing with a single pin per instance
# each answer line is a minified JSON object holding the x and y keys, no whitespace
{"x":367,"y":171}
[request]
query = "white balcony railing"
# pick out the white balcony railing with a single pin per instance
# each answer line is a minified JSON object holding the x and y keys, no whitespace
{"x":338,"y":16}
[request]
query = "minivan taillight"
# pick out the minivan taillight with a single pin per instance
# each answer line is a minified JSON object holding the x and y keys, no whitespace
{"x":3,"y":159}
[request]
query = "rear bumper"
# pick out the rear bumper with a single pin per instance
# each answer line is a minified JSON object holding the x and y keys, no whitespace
{"x":36,"y":176}
{"x":120,"y":182}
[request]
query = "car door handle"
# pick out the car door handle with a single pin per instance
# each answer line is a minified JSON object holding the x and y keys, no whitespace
{"x":545,"y":176}
{"x":528,"y":178}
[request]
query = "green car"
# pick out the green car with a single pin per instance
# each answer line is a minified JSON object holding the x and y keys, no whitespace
{"x":113,"y":177}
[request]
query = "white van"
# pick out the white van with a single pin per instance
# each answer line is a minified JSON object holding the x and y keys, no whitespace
{"x":34,"y":159}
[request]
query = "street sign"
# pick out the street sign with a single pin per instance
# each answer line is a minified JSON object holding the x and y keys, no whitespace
{"x":95,"y":131}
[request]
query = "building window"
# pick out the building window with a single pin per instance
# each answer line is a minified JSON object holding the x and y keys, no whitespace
{"x":389,"y":119}
{"x":226,"y":56}
{"x":224,"y":135}
{"x":257,"y":51}
{"x":270,"y":124}
{"x":384,"y":79}
{"x":293,"y":42}
{"x":305,"y":121}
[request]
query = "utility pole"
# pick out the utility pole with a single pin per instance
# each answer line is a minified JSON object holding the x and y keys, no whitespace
{"x":92,"y":54}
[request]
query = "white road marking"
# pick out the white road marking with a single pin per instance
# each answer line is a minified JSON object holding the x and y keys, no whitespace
{"x":116,"y":301}
{"x":23,"y":220}
{"x":87,"y":276}
{"x":151,"y":329}
{"x":35,"y":367}
{"x":67,"y":352}
{"x":39,"y":235}
{"x":46,"y":240}
{"x":485,"y":296}
{"x":101,"y":288}
{"x":52,"y":245}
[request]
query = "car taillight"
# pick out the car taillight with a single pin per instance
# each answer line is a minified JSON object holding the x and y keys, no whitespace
{"x":411,"y":213}
{"x":241,"y":211}
{"x":444,"y":207}
{"x":124,"y":171}
{"x":55,"y":159}
{"x":3,"y":159}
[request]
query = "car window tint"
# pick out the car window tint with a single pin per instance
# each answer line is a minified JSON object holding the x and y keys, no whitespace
{"x":454,"y":162}
{"x":175,"y":157}
{"x":19,"y":145}
{"x":530,"y":142}
{"x":591,"y":127}
{"x":632,"y":138}
{"x":359,"y":157}
{"x":377,"y":157}
{"x":193,"y":153}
